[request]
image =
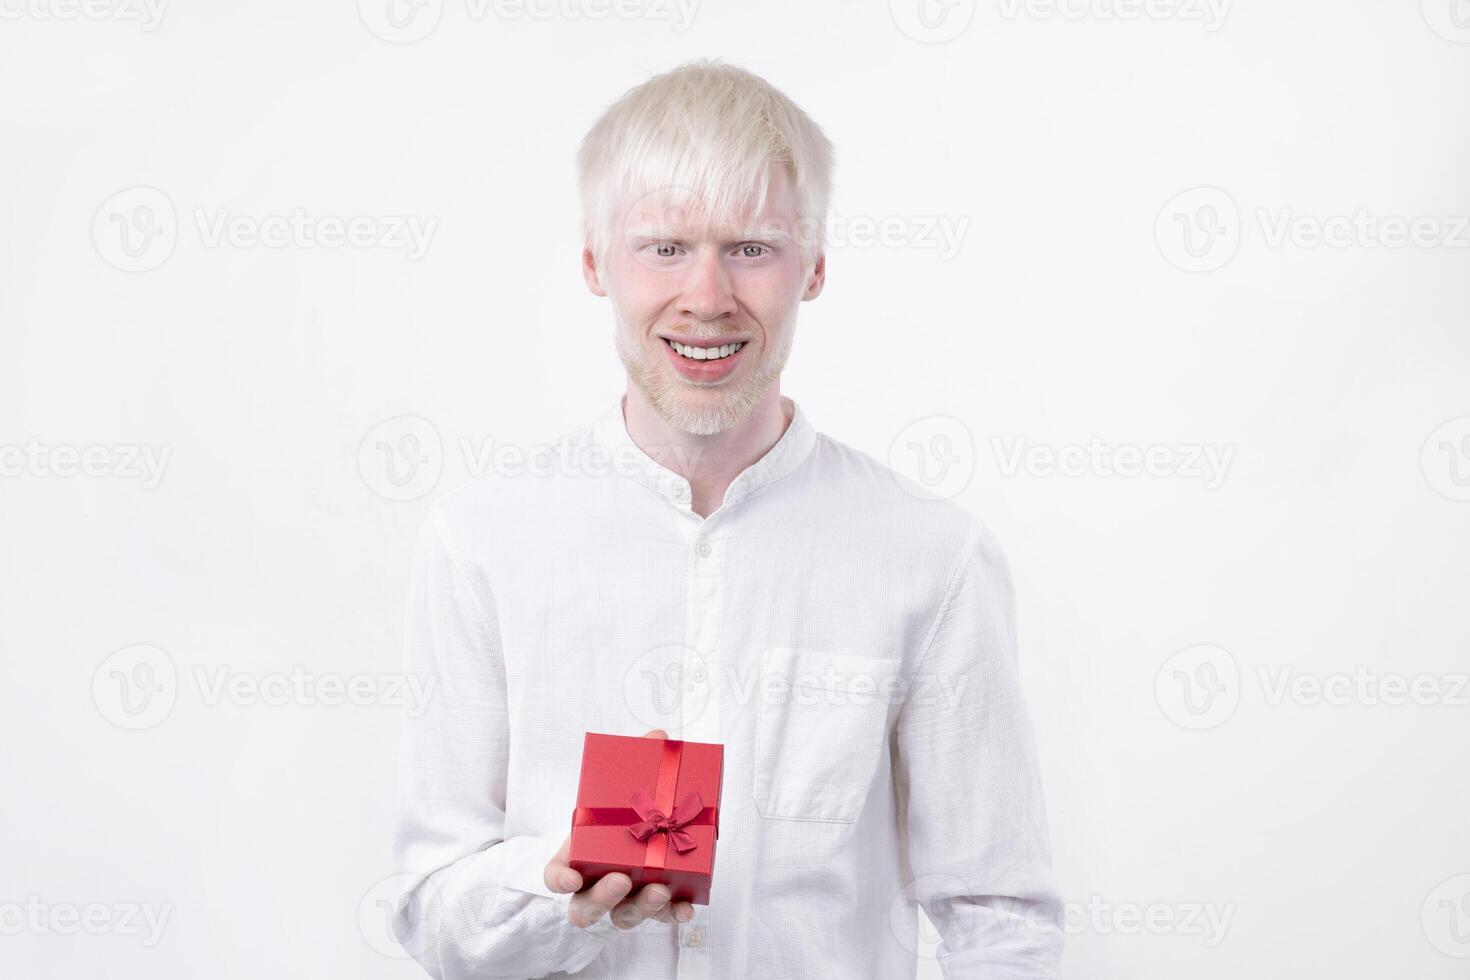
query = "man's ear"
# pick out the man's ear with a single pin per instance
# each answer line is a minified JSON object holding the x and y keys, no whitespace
{"x":818,"y":278}
{"x":589,"y":271}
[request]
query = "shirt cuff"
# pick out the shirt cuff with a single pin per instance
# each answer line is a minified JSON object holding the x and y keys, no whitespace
{"x":529,"y":875}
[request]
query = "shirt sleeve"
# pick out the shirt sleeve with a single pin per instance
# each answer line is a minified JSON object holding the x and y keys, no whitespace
{"x":474,"y":902}
{"x":969,"y":786}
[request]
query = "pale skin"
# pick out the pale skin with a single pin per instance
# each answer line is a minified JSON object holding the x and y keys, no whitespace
{"x":676,"y":276}
{"x":701,"y":284}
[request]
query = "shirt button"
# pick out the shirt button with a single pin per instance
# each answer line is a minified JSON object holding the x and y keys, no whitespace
{"x":695,"y":937}
{"x":699,"y":675}
{"x":702,"y":549}
{"x":677,"y":489}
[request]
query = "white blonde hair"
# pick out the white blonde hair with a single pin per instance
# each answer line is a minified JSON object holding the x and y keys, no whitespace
{"x":711,"y":131}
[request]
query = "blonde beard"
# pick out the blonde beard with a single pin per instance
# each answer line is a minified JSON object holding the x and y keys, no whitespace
{"x":732,"y":407}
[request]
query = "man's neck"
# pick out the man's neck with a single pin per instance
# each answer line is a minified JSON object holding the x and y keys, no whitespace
{"x":710,"y":463}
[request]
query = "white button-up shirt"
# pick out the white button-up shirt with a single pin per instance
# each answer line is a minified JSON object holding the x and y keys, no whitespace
{"x":847,"y":640}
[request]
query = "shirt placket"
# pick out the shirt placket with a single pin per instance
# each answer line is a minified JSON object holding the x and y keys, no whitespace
{"x":700,"y":708}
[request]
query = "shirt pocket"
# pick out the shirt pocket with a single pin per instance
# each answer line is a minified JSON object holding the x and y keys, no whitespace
{"x":819,"y":732}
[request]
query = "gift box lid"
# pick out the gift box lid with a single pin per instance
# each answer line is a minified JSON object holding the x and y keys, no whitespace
{"x":615,"y":767}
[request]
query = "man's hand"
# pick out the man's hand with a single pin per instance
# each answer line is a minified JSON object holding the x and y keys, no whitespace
{"x":609,"y":894}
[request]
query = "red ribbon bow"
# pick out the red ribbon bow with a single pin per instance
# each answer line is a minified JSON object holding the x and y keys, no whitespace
{"x":655,"y":822}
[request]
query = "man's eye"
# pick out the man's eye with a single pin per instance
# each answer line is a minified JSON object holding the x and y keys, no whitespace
{"x":753,"y":250}
{"x":665,"y":250}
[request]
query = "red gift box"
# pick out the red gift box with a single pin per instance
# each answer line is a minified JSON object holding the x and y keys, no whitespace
{"x":649,"y":807}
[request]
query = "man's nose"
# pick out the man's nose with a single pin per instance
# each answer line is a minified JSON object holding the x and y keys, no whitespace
{"x":708,"y":292}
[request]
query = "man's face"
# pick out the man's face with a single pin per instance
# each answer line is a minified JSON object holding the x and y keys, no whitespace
{"x":728,"y":297}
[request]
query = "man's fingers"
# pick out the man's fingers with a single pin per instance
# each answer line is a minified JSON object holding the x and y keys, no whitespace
{"x":559,"y":876}
{"x":648,"y":902}
{"x":593,"y":903}
{"x":610,"y":896}
{"x":562,"y":879}
{"x":676,"y":912}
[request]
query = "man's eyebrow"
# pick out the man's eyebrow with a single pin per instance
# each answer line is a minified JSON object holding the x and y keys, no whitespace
{"x":654,"y":231}
{"x":767,"y":234}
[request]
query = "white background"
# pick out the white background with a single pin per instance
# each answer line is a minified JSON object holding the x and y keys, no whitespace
{"x":1207,"y":822}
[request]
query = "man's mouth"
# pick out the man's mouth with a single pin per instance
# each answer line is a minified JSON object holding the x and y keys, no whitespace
{"x":704,"y":353}
{"x":705,"y":361}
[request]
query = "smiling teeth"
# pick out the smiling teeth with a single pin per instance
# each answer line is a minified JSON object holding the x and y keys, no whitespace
{"x":705,"y":353}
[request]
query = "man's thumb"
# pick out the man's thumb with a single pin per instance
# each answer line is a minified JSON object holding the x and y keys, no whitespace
{"x":656,"y":733}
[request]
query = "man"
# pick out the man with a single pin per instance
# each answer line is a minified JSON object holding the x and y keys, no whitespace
{"x":849,"y":642}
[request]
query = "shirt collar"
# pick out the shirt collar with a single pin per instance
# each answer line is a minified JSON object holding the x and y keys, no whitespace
{"x":610,"y":431}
